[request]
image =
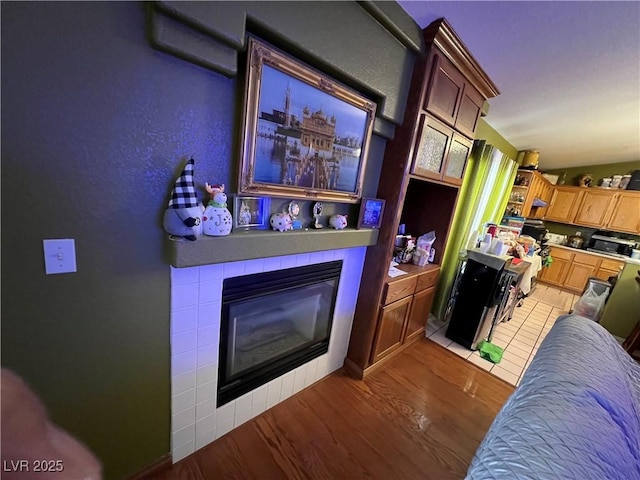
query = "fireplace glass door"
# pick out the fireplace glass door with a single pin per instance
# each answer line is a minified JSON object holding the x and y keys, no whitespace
{"x":272,"y":323}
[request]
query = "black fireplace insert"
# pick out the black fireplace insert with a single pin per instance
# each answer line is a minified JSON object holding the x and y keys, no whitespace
{"x":272,"y":323}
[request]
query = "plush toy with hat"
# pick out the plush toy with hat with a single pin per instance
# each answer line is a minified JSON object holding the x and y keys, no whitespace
{"x":183,"y":216}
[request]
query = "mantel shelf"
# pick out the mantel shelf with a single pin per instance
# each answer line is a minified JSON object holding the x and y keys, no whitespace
{"x":252,"y":244}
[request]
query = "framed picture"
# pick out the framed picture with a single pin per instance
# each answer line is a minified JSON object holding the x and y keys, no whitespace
{"x":251,"y":212}
{"x":304,"y":134}
{"x":371,"y":211}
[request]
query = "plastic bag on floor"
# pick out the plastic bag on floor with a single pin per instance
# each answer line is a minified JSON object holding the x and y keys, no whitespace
{"x":590,"y":304}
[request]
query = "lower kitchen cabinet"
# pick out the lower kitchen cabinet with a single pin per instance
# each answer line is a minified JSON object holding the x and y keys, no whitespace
{"x":571,"y":270}
{"x":581,"y":268}
{"x":556,"y":273}
{"x":609,"y":268}
{"x":406,"y":305}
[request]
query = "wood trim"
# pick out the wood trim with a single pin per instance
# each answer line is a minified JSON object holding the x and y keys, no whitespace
{"x":360,"y":374}
{"x":161,"y":465}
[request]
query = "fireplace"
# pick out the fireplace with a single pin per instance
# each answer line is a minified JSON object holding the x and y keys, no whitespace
{"x":196,"y":332}
{"x":272,"y":323}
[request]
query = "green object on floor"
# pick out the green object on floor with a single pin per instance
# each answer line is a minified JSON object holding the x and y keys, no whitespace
{"x":490,"y":352}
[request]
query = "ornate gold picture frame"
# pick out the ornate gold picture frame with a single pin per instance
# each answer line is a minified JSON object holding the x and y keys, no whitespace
{"x":304,"y":134}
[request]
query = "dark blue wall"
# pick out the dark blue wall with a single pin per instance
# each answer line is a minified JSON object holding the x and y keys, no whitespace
{"x":94,"y":124}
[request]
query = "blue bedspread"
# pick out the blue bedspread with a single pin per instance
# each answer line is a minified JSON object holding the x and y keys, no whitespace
{"x":575,"y":415}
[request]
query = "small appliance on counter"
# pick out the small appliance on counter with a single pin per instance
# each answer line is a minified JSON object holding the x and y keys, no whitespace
{"x":576,"y":240}
{"x":609,"y":244}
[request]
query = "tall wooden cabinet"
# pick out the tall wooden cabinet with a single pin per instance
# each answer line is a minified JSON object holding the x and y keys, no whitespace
{"x":420,"y":178}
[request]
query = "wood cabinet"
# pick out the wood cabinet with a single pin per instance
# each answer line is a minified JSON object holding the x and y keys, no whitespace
{"x":404,"y":315}
{"x":581,"y":268}
{"x":391,"y":327}
{"x":595,"y":208}
{"x":625,"y":216}
{"x":440,"y":153}
{"x":529,"y":186}
{"x":602,"y":208}
{"x":571,"y":270}
{"x":420,"y":179}
{"x":609,"y":268}
{"x":556,"y":273}
{"x":452,"y":98}
{"x":564,"y":204}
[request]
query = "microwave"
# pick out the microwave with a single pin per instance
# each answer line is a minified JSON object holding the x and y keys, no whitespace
{"x":619,"y":247}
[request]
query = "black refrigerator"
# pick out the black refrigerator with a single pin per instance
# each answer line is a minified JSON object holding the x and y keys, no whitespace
{"x":481,"y":286}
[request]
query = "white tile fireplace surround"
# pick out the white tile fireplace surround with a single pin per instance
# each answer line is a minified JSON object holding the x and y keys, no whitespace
{"x":196,"y":295}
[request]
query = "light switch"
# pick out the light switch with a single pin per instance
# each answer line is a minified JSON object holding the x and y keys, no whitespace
{"x":59,"y":255}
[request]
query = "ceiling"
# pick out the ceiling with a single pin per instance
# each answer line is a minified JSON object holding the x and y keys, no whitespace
{"x":568,"y":73}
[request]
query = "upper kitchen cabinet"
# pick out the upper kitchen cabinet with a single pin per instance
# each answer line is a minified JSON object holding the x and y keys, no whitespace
{"x":452,"y":97}
{"x":564,"y":204}
{"x":530,"y":195}
{"x":607,"y":209}
{"x":625,"y":216}
{"x":595,"y":208}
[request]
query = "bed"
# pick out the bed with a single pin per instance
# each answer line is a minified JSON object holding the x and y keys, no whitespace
{"x":575,"y":414}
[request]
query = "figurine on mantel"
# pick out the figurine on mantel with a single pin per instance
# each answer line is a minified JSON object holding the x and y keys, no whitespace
{"x":217,"y":219}
{"x":317,"y":212}
{"x":338,"y":222}
{"x":183,"y":216}
{"x":281,"y":222}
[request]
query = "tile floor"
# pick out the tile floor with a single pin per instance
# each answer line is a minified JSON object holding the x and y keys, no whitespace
{"x":520,"y":337}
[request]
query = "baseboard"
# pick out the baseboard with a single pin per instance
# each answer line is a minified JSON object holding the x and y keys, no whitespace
{"x":358,"y":373}
{"x":161,"y":465}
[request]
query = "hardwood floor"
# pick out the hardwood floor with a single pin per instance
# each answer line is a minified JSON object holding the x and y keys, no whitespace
{"x":422,"y":416}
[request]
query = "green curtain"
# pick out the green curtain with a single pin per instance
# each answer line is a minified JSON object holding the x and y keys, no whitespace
{"x":483,"y":198}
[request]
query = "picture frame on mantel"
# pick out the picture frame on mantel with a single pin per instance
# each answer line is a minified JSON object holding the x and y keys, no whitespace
{"x":371,"y":212}
{"x":304,"y":134}
{"x":250,"y":212}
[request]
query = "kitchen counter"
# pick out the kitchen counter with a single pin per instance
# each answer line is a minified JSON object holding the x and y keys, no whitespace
{"x":627,"y":260}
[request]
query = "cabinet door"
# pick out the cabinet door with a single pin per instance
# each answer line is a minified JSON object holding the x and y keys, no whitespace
{"x":419,"y":314}
{"x":456,"y":159}
{"x":469,"y":111}
{"x":577,"y":276}
{"x":432,"y":148}
{"x":604,"y":274}
{"x":626,"y":213}
{"x":595,"y":208}
{"x":391,"y":323}
{"x":557,"y":272}
{"x":564,"y":204}
{"x":445,"y":90}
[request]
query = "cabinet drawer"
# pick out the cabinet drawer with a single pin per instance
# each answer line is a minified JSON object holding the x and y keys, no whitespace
{"x":611,"y":265}
{"x":561,"y":253}
{"x":586,"y":259}
{"x":399,"y":289}
{"x":427,"y":279}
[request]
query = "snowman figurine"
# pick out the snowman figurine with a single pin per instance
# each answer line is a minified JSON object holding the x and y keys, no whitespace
{"x":217,"y":219}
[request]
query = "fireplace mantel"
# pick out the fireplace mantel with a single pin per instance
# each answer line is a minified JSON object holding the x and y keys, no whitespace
{"x":252,"y":244}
